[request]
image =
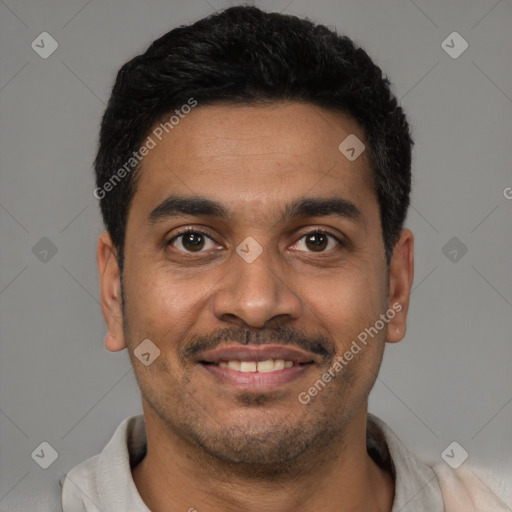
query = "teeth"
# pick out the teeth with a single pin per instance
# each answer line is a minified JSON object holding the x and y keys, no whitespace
{"x":234,"y":365}
{"x":279,"y":364}
{"x":267,"y":366}
{"x":247,"y":366}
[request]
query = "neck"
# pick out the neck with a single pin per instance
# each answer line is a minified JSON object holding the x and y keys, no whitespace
{"x":340,"y":477}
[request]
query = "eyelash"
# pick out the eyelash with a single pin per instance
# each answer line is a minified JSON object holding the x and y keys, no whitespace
{"x":204,"y":233}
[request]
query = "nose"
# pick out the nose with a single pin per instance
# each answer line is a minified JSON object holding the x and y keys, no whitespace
{"x":254,"y":293}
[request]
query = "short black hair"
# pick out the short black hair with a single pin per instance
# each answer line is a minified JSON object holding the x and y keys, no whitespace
{"x":244,"y":55}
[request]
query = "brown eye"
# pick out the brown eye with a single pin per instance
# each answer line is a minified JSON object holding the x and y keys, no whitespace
{"x":191,"y":241}
{"x":318,"y":241}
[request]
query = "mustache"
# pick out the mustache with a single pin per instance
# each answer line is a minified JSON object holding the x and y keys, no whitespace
{"x":282,"y":335}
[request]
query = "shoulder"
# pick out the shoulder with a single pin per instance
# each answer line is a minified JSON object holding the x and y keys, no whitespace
{"x":474,"y":489}
{"x":423,"y":485}
{"x":100,"y":482}
{"x":80,"y":489}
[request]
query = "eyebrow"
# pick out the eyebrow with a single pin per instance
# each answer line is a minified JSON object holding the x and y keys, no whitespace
{"x":176,"y":206}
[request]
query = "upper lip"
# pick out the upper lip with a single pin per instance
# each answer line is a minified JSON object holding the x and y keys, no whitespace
{"x":257,"y":353}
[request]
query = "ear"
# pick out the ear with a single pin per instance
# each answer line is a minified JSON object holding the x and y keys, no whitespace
{"x":110,"y":289}
{"x":401,"y":274}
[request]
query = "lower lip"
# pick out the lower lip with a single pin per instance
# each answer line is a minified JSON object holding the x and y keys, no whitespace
{"x":260,"y":381}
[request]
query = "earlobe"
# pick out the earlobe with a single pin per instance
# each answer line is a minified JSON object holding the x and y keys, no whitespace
{"x":394,"y":333}
{"x":112,"y":343}
{"x":401,"y":274}
{"x":110,"y":289}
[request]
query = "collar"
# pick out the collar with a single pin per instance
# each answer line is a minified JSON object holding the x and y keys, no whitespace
{"x":104,"y":482}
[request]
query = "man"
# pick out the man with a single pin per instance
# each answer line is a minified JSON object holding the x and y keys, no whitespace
{"x":254,"y":176}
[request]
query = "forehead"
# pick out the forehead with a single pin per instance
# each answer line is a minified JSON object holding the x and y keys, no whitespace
{"x":251,"y":157}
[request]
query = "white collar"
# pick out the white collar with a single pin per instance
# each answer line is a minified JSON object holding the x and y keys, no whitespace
{"x":104,"y":482}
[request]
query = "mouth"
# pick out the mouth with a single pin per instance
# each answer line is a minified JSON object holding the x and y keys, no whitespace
{"x":267,"y":366}
{"x":257,"y":368}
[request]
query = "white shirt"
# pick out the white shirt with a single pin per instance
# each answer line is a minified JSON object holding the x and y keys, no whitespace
{"x":104,"y":483}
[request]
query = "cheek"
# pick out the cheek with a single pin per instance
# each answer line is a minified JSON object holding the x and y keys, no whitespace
{"x":163,"y":310}
{"x":346,"y":302}
{"x":159,"y":302}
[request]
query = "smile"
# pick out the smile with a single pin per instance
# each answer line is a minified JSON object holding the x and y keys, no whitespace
{"x":270,"y":365}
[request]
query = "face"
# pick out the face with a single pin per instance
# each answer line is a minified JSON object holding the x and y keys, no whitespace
{"x":254,"y":260}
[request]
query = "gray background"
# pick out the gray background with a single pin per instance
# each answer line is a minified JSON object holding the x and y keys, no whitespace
{"x":449,"y":380}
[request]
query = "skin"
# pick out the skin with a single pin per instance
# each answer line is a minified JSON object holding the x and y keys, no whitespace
{"x":212,"y":447}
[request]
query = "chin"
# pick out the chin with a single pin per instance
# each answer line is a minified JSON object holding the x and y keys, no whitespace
{"x":263,"y":449}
